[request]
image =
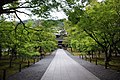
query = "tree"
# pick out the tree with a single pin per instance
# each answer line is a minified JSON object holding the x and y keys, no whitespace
{"x":100,"y":21}
{"x":24,"y":40}
{"x":102,"y":28}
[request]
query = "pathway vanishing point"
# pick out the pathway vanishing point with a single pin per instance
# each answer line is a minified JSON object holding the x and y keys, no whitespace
{"x":63,"y":67}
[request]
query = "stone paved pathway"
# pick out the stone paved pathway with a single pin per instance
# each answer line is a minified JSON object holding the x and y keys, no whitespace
{"x":65,"y":68}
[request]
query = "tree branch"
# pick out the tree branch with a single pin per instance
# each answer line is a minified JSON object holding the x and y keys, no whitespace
{"x":20,"y":20}
{"x":96,"y":40}
{"x":24,"y":24}
{"x":22,"y":12}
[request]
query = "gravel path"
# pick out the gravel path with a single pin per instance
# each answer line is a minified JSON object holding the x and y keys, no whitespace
{"x":35,"y":71}
{"x":64,"y":67}
{"x":97,"y":70}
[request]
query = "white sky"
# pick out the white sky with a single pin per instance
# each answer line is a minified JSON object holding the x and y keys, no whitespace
{"x":100,"y":0}
{"x":57,"y":15}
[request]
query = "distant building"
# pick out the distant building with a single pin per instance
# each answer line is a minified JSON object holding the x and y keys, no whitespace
{"x":60,"y":38}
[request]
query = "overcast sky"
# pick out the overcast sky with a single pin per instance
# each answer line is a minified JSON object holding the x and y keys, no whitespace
{"x":57,"y":15}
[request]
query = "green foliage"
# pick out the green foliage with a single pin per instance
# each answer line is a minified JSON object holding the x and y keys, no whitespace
{"x":48,"y":45}
{"x":98,"y":28}
{"x":26,"y":40}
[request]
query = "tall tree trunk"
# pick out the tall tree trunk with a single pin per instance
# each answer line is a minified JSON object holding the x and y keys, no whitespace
{"x":71,"y":49}
{"x":14,"y":52}
{"x":116,"y":54}
{"x":92,"y":53}
{"x":106,"y":59}
{"x":40,"y":51}
{"x":0,"y":52}
{"x":110,"y":54}
{"x":9,"y":50}
{"x":117,"y":51}
{"x":10,"y":63}
{"x":96,"y":61}
{"x":99,"y":53}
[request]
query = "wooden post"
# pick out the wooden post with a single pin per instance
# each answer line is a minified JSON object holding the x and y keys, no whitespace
{"x":106,"y":64}
{"x":22,"y":59}
{"x":79,"y":56}
{"x":71,"y":49}
{"x":90,"y":58}
{"x":85,"y":57}
{"x":20,"y":67}
{"x":99,"y":54}
{"x":82,"y":56}
{"x":4,"y":74}
{"x":92,"y":54}
{"x":37,"y":59}
{"x":34,"y":61}
{"x":10,"y":63}
{"x":28,"y":63}
{"x":40,"y":58}
{"x":96,"y":58}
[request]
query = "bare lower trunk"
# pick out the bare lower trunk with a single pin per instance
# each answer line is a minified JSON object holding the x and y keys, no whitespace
{"x":107,"y":58}
{"x":99,"y":54}
{"x":106,"y":61}
{"x":71,"y":49}
{"x":0,"y":51}
{"x":92,"y":54}
{"x":10,"y":63}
